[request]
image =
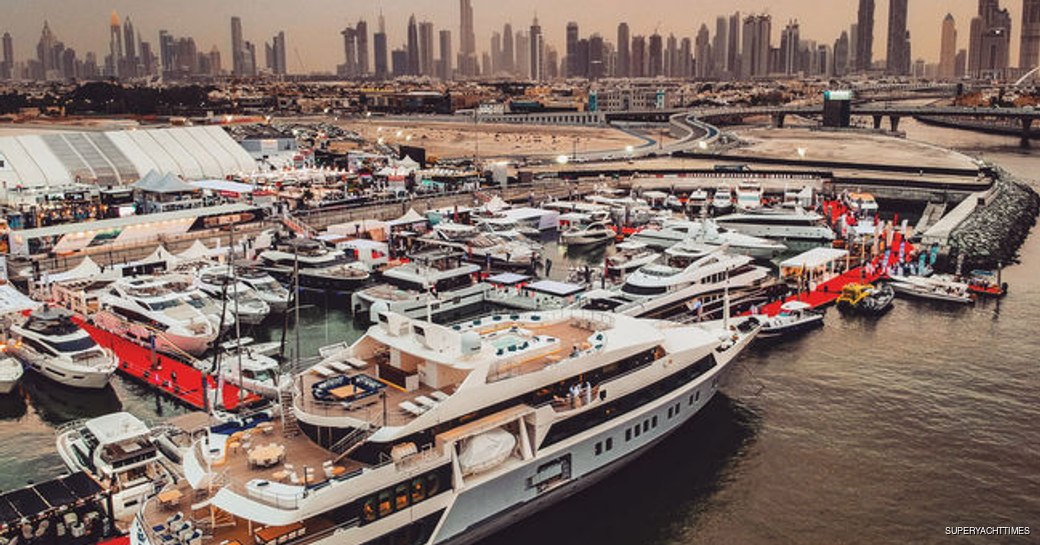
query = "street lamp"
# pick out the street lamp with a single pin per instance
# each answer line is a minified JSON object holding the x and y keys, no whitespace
{"x":563,"y":159}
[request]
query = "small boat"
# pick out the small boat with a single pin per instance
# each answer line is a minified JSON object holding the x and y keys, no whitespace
{"x":749,"y":196}
{"x":698,"y":200}
{"x":219,"y":283}
{"x":631,"y":255}
{"x":266,"y":287}
{"x":10,"y":373}
{"x":932,"y":288}
{"x":722,"y":201}
{"x":794,"y":317}
{"x":51,"y":344}
{"x":586,"y":235}
{"x":249,"y":370}
{"x":866,"y":299}
{"x":987,"y":283}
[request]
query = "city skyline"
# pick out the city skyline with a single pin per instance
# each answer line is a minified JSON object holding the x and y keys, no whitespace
{"x":321,"y":52}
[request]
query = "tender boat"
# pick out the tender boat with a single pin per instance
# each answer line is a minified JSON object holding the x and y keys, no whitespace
{"x":722,"y":200}
{"x":866,"y":299}
{"x":932,"y":288}
{"x":597,"y":232}
{"x":120,"y":452}
{"x":219,"y":284}
{"x":51,"y":344}
{"x":10,"y":374}
{"x":794,"y":317}
{"x":630,"y":256}
{"x":144,"y":307}
{"x":319,"y":268}
{"x":467,"y":429}
{"x":698,"y":200}
{"x":266,"y":287}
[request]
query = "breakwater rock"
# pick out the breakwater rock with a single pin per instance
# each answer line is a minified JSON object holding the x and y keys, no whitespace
{"x":993,"y":233}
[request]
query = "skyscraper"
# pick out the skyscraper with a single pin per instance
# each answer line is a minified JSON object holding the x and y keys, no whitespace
{"x":446,"y":71}
{"x":361,"y":35}
{"x":754,"y":51}
{"x":467,"y":40}
{"x":790,"y":48}
{"x":718,"y":46}
{"x":948,"y":48}
{"x":733,"y":49}
{"x":572,"y":50}
{"x":414,"y":63}
{"x":279,"y":62}
{"x":237,"y":48}
{"x":537,"y":51}
{"x":671,"y":56}
{"x":349,"y":68}
{"x":115,"y":46}
{"x":426,"y":56}
{"x":624,"y":56}
{"x":130,"y":60}
{"x":597,"y":65}
{"x":1029,"y":47}
{"x":7,"y":65}
{"x":523,"y":54}
{"x":496,"y":52}
{"x":841,"y":54}
{"x":655,"y":56}
{"x":990,"y":41}
{"x":382,"y":67}
{"x":702,"y":54}
{"x":897,"y":59}
{"x":638,"y":67}
{"x":865,"y":35}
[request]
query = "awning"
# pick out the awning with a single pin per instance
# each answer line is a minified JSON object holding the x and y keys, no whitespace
{"x":552,"y":287}
{"x":508,"y":279}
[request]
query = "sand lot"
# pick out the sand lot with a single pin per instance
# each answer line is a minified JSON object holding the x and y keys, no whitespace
{"x":446,"y":139}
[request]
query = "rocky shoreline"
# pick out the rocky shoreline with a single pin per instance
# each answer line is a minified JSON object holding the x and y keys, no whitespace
{"x":992,"y":234}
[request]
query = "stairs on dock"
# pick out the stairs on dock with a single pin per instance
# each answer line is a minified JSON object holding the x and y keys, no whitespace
{"x":933,"y":212}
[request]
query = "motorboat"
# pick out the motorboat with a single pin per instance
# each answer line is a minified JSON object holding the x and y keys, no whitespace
{"x":507,"y":228}
{"x":866,"y":299}
{"x":220,"y":283}
{"x":779,"y":224}
{"x":51,"y":344}
{"x":630,"y":256}
{"x":794,"y":317}
{"x":698,"y":200}
{"x":10,"y":374}
{"x":184,"y":282}
{"x":482,"y":247}
{"x":664,"y":288}
{"x":467,"y":426}
{"x":145,"y":308}
{"x":722,"y":200}
{"x":932,"y":288}
{"x":588,"y":234}
{"x":266,"y":287}
{"x":710,"y":233}
{"x":749,"y":196}
{"x":318,"y":267}
{"x":434,"y":282}
{"x":247,"y":369}
{"x":121,"y":453}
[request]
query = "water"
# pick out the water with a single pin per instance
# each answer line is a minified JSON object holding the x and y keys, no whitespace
{"x":863,"y":431}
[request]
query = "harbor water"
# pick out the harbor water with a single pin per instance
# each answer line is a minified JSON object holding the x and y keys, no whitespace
{"x":864,"y":431}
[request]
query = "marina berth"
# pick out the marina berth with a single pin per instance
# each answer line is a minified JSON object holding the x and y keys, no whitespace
{"x":49,"y":343}
{"x":436,"y":429}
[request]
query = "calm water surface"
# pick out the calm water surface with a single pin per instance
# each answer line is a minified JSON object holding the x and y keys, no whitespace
{"x":864,"y":431}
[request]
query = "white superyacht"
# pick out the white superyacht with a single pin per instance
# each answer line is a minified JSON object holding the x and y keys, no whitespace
{"x":445,"y":435}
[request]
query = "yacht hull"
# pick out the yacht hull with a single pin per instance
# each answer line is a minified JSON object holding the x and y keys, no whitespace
{"x":91,"y":379}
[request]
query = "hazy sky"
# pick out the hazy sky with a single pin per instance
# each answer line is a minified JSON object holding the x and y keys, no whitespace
{"x":312,"y":26}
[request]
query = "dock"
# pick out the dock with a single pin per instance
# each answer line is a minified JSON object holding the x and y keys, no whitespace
{"x":168,"y":376}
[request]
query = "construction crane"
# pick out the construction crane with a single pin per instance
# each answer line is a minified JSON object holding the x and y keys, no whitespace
{"x":299,"y":59}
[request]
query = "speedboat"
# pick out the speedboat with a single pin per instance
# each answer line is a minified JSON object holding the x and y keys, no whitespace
{"x":866,"y":299}
{"x":266,"y":287}
{"x":630,"y":256}
{"x":722,"y":200}
{"x":10,"y":374}
{"x":698,"y":200}
{"x":144,"y":308}
{"x":51,"y":344}
{"x":779,"y":224}
{"x":932,"y":288}
{"x":319,"y":268}
{"x":219,"y":284}
{"x":661,"y":289}
{"x":749,"y":196}
{"x":794,"y":317}
{"x":588,"y":234}
{"x":119,"y":451}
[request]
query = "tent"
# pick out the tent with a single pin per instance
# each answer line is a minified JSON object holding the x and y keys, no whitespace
{"x":408,"y":163}
{"x":197,"y":250}
{"x":496,"y":204}
{"x":86,"y":269}
{"x":12,"y":300}
{"x":408,"y":218}
{"x":153,"y":182}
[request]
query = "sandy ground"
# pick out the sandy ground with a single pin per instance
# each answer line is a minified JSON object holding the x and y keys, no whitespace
{"x":458,"y":139}
{"x":855,"y":147}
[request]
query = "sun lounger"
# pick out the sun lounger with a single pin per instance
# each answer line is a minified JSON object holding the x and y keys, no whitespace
{"x":426,"y":402}
{"x":337,"y":366}
{"x":332,"y":349}
{"x":322,"y":371}
{"x":439,"y":395}
{"x":356,"y":363}
{"x":411,"y":408}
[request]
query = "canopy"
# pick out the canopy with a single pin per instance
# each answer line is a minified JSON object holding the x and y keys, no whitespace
{"x":153,"y":182}
{"x":86,"y":269}
{"x":12,"y":300}
{"x":792,"y":306}
{"x":408,"y":163}
{"x":197,"y":250}
{"x":552,"y":287}
{"x":409,"y":217}
{"x":226,"y":187}
{"x":508,"y":279}
{"x":655,"y":195}
{"x":817,"y":257}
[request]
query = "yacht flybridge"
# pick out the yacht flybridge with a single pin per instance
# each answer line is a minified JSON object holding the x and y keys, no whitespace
{"x":423,"y":433}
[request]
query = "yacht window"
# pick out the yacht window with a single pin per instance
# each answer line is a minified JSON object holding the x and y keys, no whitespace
{"x":401,"y":497}
{"x":162,"y":305}
{"x":433,"y":485}
{"x":73,"y":345}
{"x":643,"y":290}
{"x":610,"y":443}
{"x":598,"y":449}
{"x":418,"y":490}
{"x":385,"y":506}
